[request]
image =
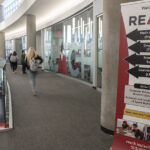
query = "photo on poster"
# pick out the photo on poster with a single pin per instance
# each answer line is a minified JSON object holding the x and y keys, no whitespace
{"x":133,"y":129}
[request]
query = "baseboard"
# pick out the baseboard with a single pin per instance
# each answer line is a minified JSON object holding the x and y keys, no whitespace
{"x":107,"y":131}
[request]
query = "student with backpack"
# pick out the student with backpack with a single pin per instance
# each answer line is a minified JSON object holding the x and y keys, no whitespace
{"x":32,"y":62}
{"x":13,"y":61}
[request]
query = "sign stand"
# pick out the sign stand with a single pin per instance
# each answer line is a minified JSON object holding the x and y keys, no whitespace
{"x":132,"y":129}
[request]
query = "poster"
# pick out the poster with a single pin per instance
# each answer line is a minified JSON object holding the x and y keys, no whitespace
{"x":132,"y":129}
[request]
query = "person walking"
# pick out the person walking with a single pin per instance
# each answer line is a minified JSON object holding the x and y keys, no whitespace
{"x":23,"y":55}
{"x":33,"y":60}
{"x":13,"y":60}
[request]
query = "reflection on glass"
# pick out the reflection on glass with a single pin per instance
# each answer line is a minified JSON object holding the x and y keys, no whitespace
{"x":83,"y":28}
{"x":69,"y":34}
{"x":70,"y":52}
{"x":100,"y":46}
{"x":79,"y":51}
{"x":8,"y":48}
{"x":52,"y":46}
{"x":64,"y":34}
{"x":47,"y":47}
{"x":73,"y":26}
{"x":24,"y":43}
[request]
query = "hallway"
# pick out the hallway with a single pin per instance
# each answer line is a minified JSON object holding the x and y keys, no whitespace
{"x":63,"y":116}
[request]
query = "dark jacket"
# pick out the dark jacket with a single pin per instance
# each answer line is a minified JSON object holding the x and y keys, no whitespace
{"x":23,"y":58}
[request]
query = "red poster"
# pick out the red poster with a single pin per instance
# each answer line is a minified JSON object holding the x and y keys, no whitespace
{"x":62,"y":67}
{"x":132,"y":128}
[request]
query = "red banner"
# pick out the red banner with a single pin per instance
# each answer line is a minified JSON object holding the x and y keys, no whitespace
{"x":132,"y":128}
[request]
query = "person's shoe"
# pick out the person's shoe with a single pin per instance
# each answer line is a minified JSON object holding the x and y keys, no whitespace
{"x":34,"y":92}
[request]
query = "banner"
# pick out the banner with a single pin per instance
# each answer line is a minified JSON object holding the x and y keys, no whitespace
{"x":132,"y":129}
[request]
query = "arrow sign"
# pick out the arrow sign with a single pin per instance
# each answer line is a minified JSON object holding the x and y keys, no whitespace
{"x":138,"y":59}
{"x":140,"y":47}
{"x":139,"y":35}
{"x":140,"y":72}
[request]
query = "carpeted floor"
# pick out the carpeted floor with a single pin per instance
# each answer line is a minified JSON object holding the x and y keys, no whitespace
{"x":63,"y":116}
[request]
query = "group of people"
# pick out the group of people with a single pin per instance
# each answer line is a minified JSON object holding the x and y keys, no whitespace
{"x":29,"y":62}
{"x":135,"y":130}
{"x":13,"y":59}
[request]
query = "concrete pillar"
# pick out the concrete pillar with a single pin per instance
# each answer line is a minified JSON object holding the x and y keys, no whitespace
{"x":38,"y":43}
{"x":19,"y":48}
{"x":2,"y":45}
{"x":31,"y":31}
{"x":111,"y":35}
{"x":1,"y":13}
{"x":13,"y":45}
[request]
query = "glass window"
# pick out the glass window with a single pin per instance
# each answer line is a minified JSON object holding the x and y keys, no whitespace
{"x":45,"y":49}
{"x":71,"y":47}
{"x":68,"y":33}
{"x":10,"y":7}
{"x":8,"y":47}
{"x":100,"y":47}
{"x":24,"y":43}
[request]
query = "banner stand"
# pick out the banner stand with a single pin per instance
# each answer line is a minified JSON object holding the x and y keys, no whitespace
{"x":132,"y":127}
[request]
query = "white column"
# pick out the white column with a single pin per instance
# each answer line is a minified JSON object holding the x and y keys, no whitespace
{"x":1,"y":13}
{"x":2,"y":45}
{"x":31,"y":31}
{"x":111,"y":38}
{"x":13,"y":45}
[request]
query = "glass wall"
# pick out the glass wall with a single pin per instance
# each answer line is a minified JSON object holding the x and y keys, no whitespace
{"x":10,"y":6}
{"x":77,"y":42}
{"x":8,"y":47}
{"x":52,"y":45}
{"x":47,"y":48}
{"x":100,"y":46}
{"x":68,"y":46}
{"x":24,"y":43}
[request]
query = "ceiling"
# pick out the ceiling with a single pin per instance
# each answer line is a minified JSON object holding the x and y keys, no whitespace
{"x":45,"y":10}
{"x":40,"y":9}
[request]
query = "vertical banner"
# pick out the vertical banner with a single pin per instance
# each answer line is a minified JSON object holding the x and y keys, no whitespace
{"x":132,"y":129}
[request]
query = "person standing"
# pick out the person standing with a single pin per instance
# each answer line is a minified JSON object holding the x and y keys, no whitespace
{"x":32,"y":61}
{"x":23,"y":55}
{"x":13,"y":60}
